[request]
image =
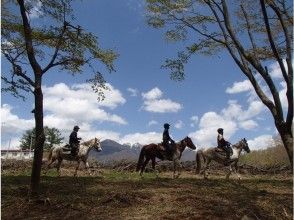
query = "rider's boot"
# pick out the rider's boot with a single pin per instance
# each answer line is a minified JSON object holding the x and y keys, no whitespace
{"x":227,"y":161}
{"x":73,"y":152}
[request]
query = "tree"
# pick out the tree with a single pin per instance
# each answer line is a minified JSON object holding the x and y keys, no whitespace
{"x":35,"y":47}
{"x":254,"y":33}
{"x":52,"y":136}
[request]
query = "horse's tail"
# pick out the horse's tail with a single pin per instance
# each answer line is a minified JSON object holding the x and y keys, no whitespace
{"x":198,"y":161}
{"x":141,"y":159}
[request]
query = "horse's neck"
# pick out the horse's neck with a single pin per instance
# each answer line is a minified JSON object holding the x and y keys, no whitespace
{"x":181,"y":146}
{"x":85,"y":148}
{"x":236,"y":151}
{"x":87,"y":143}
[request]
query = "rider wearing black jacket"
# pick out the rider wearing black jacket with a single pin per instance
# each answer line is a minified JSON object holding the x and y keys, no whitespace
{"x":222,"y":143}
{"x":166,"y":139}
{"x":74,"y":141}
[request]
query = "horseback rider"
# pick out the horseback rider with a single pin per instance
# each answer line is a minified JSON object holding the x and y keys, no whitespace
{"x":167,"y":142}
{"x":74,"y":141}
{"x":223,"y":144}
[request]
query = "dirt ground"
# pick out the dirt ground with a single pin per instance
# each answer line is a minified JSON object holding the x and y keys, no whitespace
{"x":109,"y":194}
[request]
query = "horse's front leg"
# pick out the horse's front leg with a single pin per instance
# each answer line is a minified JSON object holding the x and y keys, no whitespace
{"x":235,"y":168}
{"x":48,"y":166}
{"x":58,"y":166}
{"x":144,"y":165}
{"x":77,"y":167}
{"x":207,"y":162}
{"x":153,"y":167}
{"x":229,"y":173}
{"x":176,"y":167}
{"x":87,"y":167}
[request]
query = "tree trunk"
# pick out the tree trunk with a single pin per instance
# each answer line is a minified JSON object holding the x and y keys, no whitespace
{"x":287,"y":139}
{"x":40,"y":139}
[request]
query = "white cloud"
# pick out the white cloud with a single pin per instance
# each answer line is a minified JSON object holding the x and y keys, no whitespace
{"x":248,"y":125}
{"x":152,"y":103}
{"x":238,"y":87}
{"x":65,"y":107}
{"x":79,"y":103}
{"x":134,"y":92}
{"x":12,"y":127}
{"x":231,"y":118}
{"x":142,"y":138}
{"x":194,"y":120}
{"x":11,"y":123}
{"x":152,"y":122}
{"x":161,"y":106}
{"x":154,"y":93}
{"x":209,"y":123}
{"x":11,"y":144}
{"x":235,"y":111}
{"x":90,"y":133}
{"x":36,"y":9}
{"x":261,"y":142}
{"x":283,"y":96}
{"x":179,"y":124}
{"x":275,"y":70}
{"x":254,"y":109}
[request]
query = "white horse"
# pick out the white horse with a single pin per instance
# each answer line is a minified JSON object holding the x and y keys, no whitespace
{"x":212,"y":154}
{"x":57,"y":153}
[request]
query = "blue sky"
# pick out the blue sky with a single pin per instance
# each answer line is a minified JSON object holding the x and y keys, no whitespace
{"x":142,"y":97}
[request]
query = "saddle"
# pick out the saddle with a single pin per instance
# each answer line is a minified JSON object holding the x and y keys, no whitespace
{"x":223,"y":152}
{"x":167,"y":154}
{"x":66,"y":149}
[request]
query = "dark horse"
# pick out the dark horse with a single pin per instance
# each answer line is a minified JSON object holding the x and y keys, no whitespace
{"x":151,"y":151}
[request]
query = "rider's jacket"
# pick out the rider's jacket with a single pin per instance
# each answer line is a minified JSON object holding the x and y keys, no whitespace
{"x":221,"y":142}
{"x":73,"y":138}
{"x":165,"y":137}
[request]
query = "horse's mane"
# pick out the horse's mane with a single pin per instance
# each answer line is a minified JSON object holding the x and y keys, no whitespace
{"x":87,"y":143}
{"x":238,"y":144}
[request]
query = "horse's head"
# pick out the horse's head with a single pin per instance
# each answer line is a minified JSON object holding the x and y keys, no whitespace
{"x":97,"y":145}
{"x":244,"y":145}
{"x":188,"y":142}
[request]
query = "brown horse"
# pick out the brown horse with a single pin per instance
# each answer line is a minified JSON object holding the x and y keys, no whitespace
{"x":151,"y":151}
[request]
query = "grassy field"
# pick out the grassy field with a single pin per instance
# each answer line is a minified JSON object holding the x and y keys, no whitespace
{"x":109,"y":194}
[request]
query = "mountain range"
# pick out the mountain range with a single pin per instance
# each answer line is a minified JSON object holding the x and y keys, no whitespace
{"x":113,"y":151}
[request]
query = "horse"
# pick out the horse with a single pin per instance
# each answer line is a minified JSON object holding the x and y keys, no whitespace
{"x":212,"y":154}
{"x":57,"y":153}
{"x":152,"y":151}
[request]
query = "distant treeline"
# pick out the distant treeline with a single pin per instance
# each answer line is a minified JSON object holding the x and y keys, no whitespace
{"x":273,"y":156}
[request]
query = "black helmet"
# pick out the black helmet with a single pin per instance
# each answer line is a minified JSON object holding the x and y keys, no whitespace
{"x":220,"y":130}
{"x":76,"y":127}
{"x":166,"y":126}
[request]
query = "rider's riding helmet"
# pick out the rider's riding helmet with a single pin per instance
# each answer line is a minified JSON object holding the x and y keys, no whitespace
{"x":220,"y":130}
{"x":76,"y":127}
{"x":166,"y":126}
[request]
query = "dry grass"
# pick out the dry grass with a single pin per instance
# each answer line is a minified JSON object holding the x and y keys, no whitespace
{"x":109,"y":194}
